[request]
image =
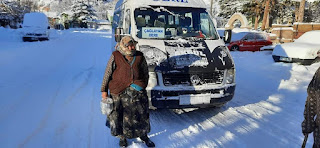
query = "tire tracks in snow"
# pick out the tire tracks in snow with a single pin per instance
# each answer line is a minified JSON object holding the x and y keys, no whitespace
{"x":44,"y":120}
{"x":88,"y":76}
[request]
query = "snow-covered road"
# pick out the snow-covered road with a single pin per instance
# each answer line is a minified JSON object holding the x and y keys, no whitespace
{"x":50,"y":94}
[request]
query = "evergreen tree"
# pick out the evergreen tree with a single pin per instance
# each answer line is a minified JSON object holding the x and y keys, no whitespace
{"x":313,"y":13}
{"x":229,"y":7}
{"x":253,"y":9}
{"x":12,"y":12}
{"x":61,"y":6}
{"x":284,"y":12}
{"x":83,"y":13}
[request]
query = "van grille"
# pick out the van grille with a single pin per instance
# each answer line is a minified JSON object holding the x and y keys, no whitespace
{"x":170,"y":79}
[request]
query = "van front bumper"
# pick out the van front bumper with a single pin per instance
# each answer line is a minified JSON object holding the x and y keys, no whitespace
{"x":191,"y":98}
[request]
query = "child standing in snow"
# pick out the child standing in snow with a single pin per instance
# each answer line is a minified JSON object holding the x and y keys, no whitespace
{"x":126,"y":77}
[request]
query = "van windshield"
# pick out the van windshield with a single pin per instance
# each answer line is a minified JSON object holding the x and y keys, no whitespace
{"x":172,"y":23}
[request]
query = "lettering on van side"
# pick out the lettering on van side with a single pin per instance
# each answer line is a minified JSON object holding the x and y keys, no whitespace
{"x":182,"y":1}
{"x":152,"y":32}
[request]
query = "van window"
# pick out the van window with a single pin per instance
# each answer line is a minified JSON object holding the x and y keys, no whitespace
{"x":116,"y":19}
{"x":127,"y":24}
{"x":121,"y":17}
{"x":170,"y":22}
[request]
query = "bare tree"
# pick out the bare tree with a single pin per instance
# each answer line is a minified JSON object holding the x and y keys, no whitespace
{"x":267,"y":8}
{"x":257,"y":17}
{"x":301,"y":10}
{"x":265,"y":14}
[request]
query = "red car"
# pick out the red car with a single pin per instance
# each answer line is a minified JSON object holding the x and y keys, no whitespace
{"x":252,"y":41}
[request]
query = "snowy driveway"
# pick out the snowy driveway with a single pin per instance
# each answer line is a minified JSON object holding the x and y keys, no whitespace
{"x":50,"y":93}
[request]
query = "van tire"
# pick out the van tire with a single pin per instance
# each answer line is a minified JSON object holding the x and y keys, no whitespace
{"x":219,"y":105}
{"x":25,"y":39}
{"x":43,"y":39}
{"x":235,"y":48}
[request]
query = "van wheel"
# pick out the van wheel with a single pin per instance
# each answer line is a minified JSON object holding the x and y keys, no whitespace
{"x":43,"y":39}
{"x":25,"y":39}
{"x":219,"y":105}
{"x":235,"y":48}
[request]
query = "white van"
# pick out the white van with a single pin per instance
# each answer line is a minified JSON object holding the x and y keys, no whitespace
{"x":189,"y":65}
{"x":35,"y":27}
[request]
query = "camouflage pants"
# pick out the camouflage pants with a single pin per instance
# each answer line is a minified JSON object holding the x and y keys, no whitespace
{"x":316,"y":137}
{"x":130,"y":115}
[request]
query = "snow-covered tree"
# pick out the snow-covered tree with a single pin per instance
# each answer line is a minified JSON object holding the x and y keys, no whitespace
{"x":83,"y":12}
{"x":314,"y":12}
{"x":229,"y":7}
{"x":284,"y":12}
{"x":61,"y":6}
{"x":253,"y":9}
{"x":102,"y":8}
{"x":12,"y":12}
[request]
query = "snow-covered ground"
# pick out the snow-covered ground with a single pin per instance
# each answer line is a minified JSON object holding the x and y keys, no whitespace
{"x":50,"y":95}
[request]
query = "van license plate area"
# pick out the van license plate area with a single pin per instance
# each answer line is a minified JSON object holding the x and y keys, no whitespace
{"x":195,"y":99}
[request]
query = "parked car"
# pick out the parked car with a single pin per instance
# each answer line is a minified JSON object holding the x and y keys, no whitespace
{"x":305,"y":50}
{"x":35,"y":27}
{"x":249,"y":41}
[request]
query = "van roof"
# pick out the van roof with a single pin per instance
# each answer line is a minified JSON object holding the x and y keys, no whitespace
{"x":175,"y":3}
{"x":36,"y":19}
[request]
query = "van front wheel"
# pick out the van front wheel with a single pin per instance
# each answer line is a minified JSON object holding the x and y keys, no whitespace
{"x":25,"y":39}
{"x":43,"y":39}
{"x":219,"y":105}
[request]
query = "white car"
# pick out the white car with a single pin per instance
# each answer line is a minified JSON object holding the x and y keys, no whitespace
{"x":304,"y":50}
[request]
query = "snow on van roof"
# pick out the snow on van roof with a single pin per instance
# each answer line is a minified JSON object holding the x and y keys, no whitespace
{"x":173,"y":3}
{"x":36,"y":19}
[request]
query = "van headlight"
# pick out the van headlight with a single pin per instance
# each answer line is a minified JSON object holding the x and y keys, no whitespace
{"x":230,"y":76}
{"x":153,"y":81}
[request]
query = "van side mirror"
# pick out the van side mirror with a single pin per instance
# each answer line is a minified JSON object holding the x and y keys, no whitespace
{"x":227,"y":36}
{"x":118,"y":34}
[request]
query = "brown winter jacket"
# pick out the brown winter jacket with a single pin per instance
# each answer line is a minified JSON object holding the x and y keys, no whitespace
{"x":119,"y":75}
{"x":312,"y":109}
